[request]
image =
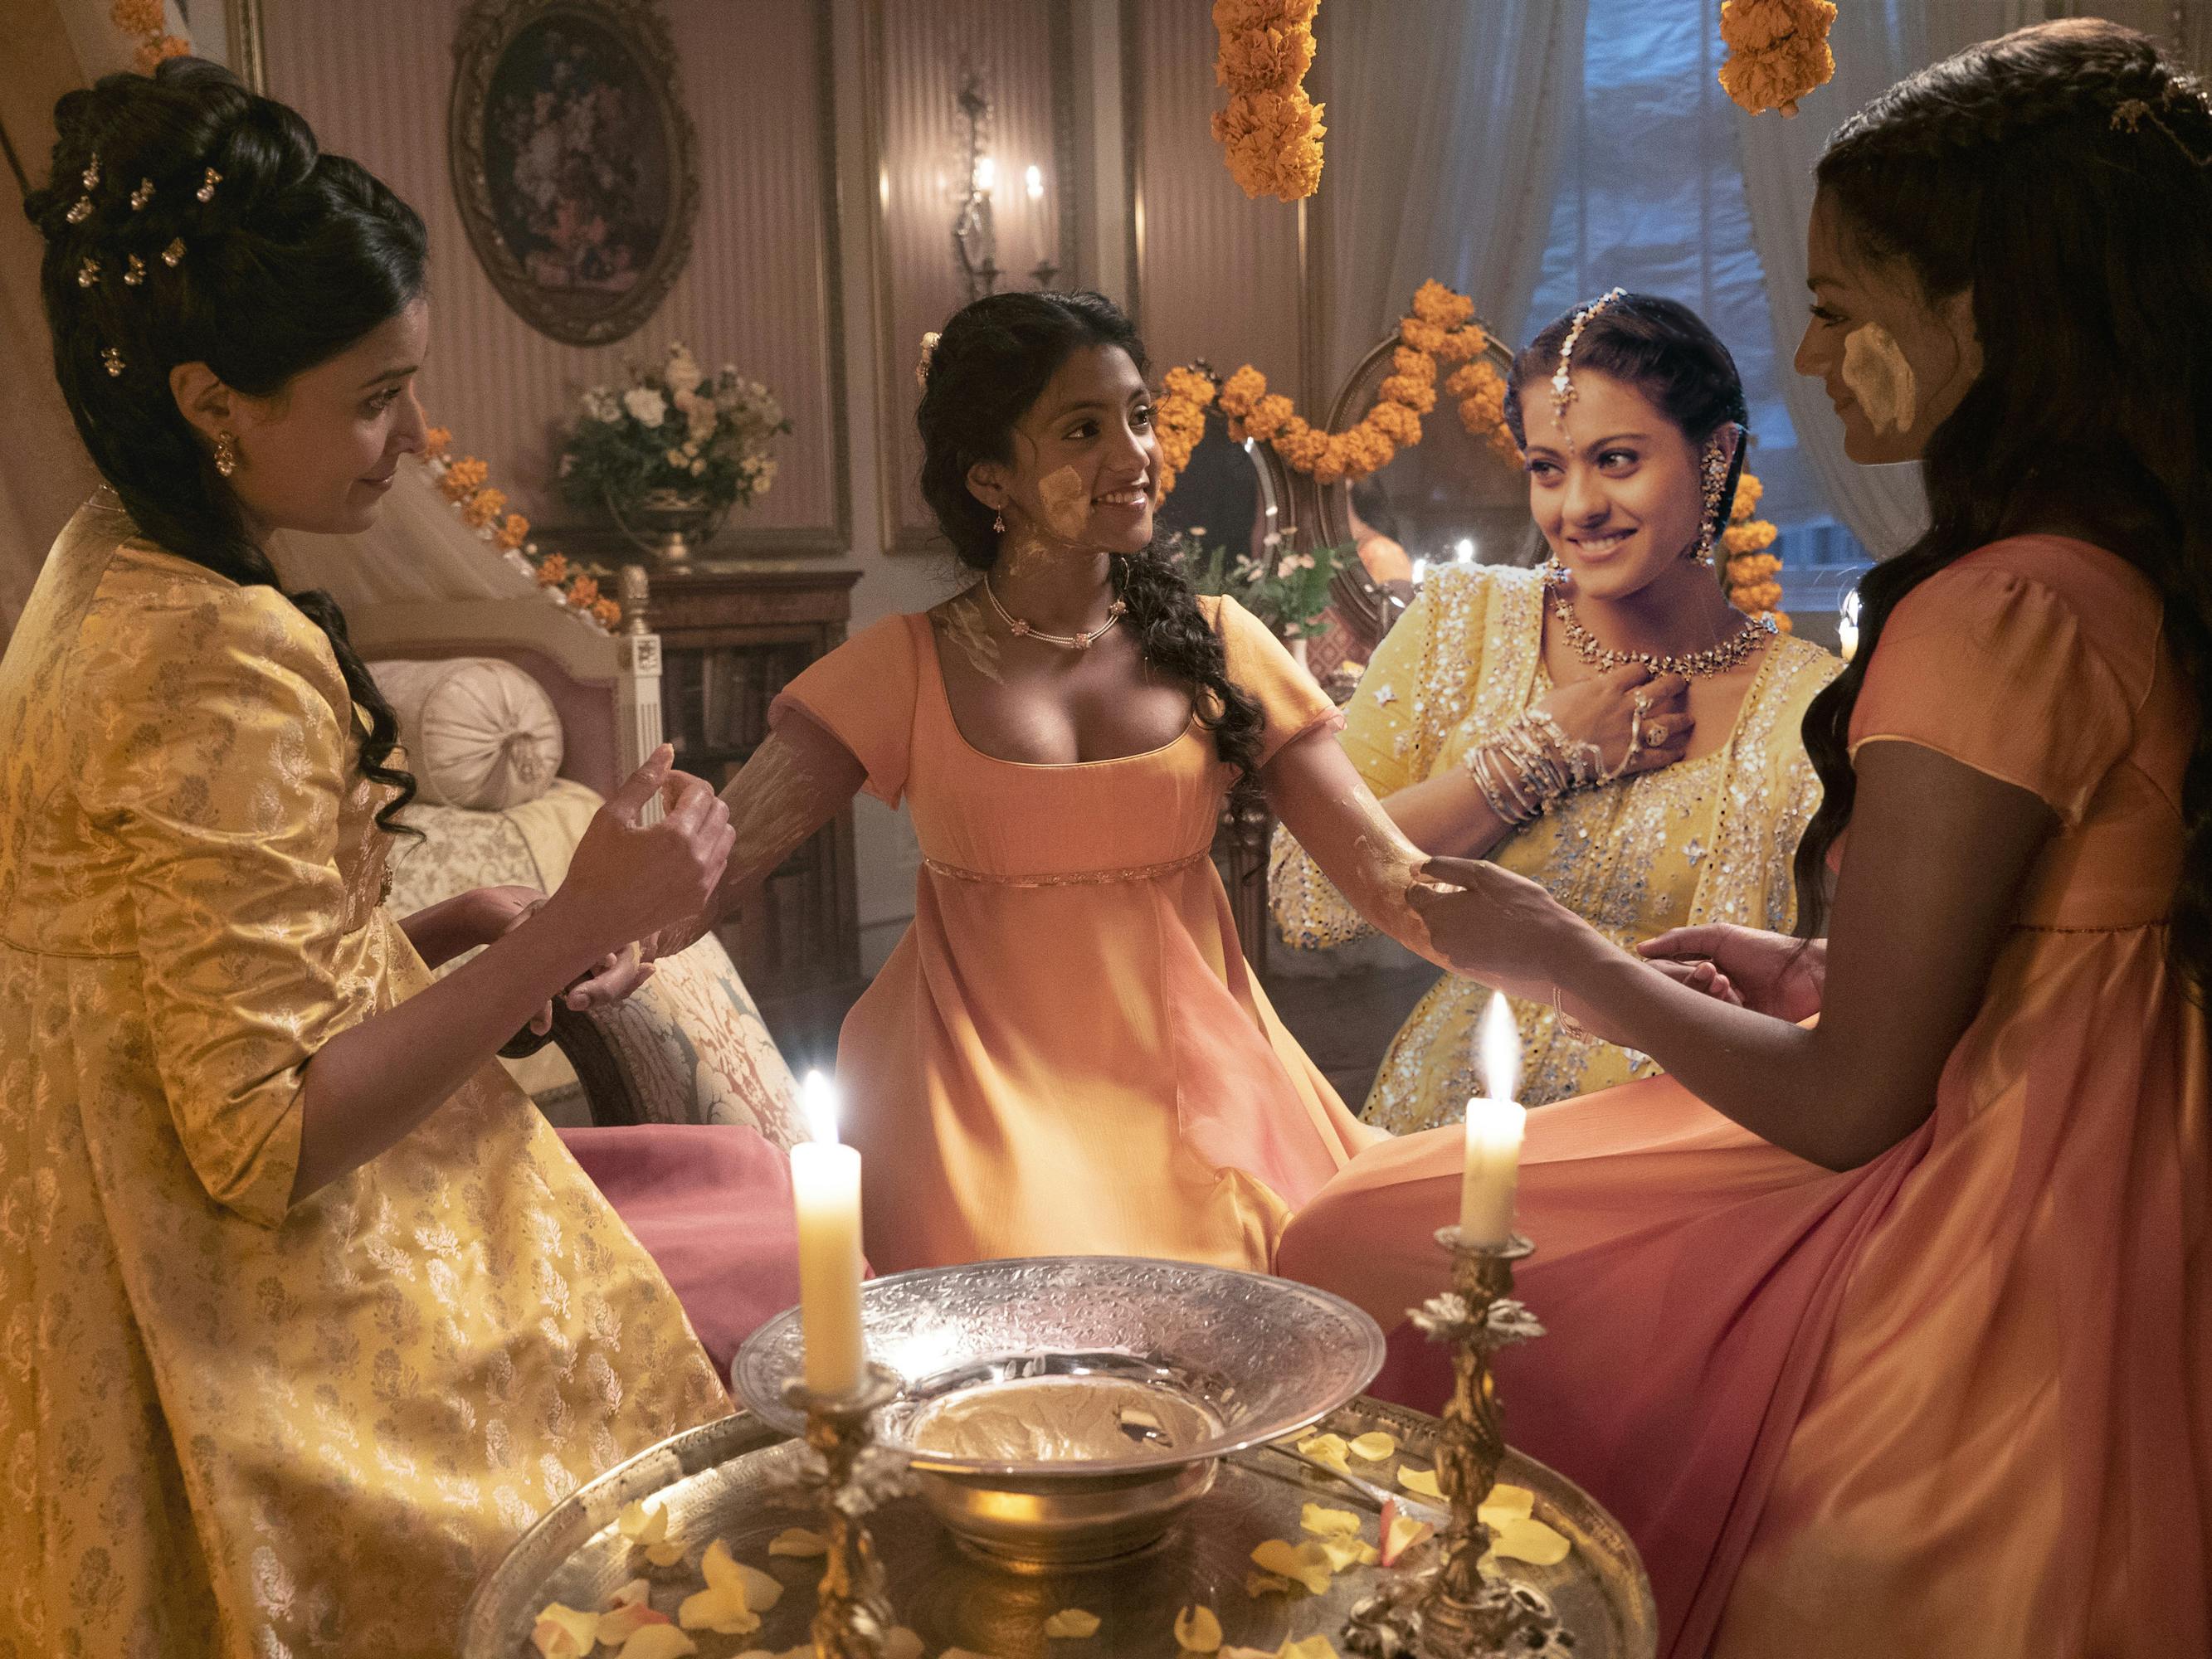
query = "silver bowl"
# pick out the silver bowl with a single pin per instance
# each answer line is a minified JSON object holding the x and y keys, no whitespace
{"x":1258,"y":1358}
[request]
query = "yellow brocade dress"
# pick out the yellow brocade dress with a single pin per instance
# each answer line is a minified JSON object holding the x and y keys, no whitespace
{"x":1704,"y":841}
{"x":228,"y":1424}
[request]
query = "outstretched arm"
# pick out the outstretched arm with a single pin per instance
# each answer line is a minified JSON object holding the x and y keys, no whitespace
{"x":795,"y":783}
{"x":1314,"y":789}
{"x":1932,"y":877}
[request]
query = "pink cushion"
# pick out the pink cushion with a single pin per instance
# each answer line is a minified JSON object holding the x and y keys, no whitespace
{"x":712,"y":1205}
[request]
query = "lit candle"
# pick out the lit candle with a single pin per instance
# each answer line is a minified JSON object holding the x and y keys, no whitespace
{"x":1463,"y":549}
{"x":1494,"y":1127}
{"x":1033,"y":187}
{"x":825,"y":1182}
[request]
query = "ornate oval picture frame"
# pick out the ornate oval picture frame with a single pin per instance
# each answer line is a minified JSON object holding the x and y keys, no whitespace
{"x":574,"y":161}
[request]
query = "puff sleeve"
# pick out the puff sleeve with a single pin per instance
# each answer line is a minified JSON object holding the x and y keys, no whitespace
{"x":1291,"y":704}
{"x":212,"y":749}
{"x":1994,"y":670}
{"x":863,"y":695}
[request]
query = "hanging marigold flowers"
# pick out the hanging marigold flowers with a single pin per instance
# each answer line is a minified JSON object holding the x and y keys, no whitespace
{"x":1441,"y":324}
{"x":484,"y":509}
{"x":1778,"y":51}
{"x":1752,"y":587}
{"x":1270,"y":134}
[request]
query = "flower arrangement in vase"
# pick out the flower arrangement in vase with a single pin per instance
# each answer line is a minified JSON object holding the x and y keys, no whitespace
{"x":669,"y":455}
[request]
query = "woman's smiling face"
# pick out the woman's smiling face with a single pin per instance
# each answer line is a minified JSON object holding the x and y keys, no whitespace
{"x":1613,"y":485}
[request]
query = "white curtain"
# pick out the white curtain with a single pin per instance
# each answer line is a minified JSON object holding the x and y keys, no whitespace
{"x":1444,"y":124}
{"x":1876,"y":43}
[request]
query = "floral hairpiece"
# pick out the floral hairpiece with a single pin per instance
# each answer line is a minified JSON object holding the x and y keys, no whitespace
{"x":928,"y":352}
{"x":2129,"y":113}
{"x":1562,"y":387}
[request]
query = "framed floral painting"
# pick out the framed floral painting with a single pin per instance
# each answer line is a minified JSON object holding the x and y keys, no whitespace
{"x":572,"y":160}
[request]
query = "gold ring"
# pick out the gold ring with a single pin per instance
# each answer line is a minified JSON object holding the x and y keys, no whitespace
{"x":1642,"y":703}
{"x":1658,"y":732}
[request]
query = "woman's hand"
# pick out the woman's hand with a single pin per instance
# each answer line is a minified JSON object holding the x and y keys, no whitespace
{"x":1767,"y":973}
{"x":1603,"y":710}
{"x":627,"y":882}
{"x":1488,"y":924}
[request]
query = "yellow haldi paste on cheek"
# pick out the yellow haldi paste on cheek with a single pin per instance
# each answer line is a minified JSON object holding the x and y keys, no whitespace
{"x":1875,"y":369}
{"x":1067,"y":500}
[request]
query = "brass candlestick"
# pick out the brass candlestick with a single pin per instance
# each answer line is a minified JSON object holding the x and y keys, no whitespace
{"x":855,"y":1476}
{"x":1451,"y":1607}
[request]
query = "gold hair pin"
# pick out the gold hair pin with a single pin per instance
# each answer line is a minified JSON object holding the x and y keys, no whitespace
{"x":87,"y":273}
{"x":81,"y":211}
{"x":2129,"y":113}
{"x":134,"y":272}
{"x":111,"y":360}
{"x":91,"y":176}
{"x":928,"y":352}
{"x":1563,"y":387}
{"x":206,"y":191}
{"x":174,"y":255}
{"x":143,"y":195}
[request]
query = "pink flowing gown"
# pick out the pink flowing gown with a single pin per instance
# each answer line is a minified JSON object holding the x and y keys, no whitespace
{"x":1957,"y":1400}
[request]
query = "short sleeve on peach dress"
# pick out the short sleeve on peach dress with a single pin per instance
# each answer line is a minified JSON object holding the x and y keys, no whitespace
{"x":1067,"y":1053}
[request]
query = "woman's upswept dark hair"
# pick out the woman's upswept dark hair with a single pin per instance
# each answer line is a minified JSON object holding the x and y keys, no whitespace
{"x":2012,"y":169}
{"x":294,"y":257}
{"x":1662,"y":348}
{"x":991,"y":364}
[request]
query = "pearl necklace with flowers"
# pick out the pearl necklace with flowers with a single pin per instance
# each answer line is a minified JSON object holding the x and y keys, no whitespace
{"x":1690,"y":665}
{"x":1022,"y":630}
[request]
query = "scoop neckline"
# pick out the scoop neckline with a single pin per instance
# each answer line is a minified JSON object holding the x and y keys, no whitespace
{"x":944,"y":704}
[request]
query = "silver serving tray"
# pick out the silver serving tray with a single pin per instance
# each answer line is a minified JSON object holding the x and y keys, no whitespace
{"x":723,"y":1481}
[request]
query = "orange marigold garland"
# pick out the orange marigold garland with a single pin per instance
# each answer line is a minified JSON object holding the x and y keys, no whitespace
{"x":1752,"y":569}
{"x":1440,"y":325}
{"x":1778,"y":51}
{"x":148,"y":21}
{"x":484,"y":509}
{"x":1270,"y":134}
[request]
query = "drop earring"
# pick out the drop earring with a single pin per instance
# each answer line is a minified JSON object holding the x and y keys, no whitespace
{"x":998,"y":522}
{"x":1713,"y":467}
{"x":226,"y":454}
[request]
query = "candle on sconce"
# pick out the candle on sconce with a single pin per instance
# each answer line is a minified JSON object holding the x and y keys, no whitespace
{"x":1495,"y":1124}
{"x":825,"y":1183}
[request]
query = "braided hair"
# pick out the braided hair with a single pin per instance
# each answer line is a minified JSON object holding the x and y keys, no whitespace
{"x":187,"y":220}
{"x":990,"y":366}
{"x":1662,"y":348}
{"x":2058,"y":172}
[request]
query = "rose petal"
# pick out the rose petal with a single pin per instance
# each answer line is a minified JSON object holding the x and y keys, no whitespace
{"x":1197,"y":1629}
{"x":1313,"y":1647}
{"x":1324,"y":1522}
{"x":1423,"y":1481}
{"x":664,"y":1555}
{"x":1257,"y":1584}
{"x":798,"y":1540}
{"x":1303,"y":1562}
{"x":1071,"y":1622}
{"x":754,"y":1589}
{"x":1344,"y":1553}
{"x":1526,"y":1539}
{"x":1375,"y":1447}
{"x":1329,"y":1449}
{"x":642,"y":1523}
{"x":720,"y":1610}
{"x":1511,"y":1500}
{"x":564,"y":1633}
{"x":1402,"y":1533}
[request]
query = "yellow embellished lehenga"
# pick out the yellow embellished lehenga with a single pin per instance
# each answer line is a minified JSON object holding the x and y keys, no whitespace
{"x":1704,"y":841}
{"x":230,"y":1425}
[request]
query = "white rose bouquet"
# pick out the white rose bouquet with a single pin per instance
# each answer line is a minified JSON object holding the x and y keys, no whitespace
{"x":674,"y":438}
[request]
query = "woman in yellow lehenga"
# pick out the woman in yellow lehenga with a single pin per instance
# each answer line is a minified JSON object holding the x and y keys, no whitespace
{"x":1472,"y":716}
{"x":308,"y":1313}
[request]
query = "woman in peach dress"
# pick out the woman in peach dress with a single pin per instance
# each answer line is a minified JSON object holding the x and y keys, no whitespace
{"x":1067,"y":1053}
{"x":1891,"y":1332}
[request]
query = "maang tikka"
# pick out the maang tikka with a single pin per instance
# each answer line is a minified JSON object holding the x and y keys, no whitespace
{"x":1712,"y":472}
{"x":1563,"y":385}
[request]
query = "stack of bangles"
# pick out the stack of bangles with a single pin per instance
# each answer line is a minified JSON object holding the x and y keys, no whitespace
{"x":1533,"y":762}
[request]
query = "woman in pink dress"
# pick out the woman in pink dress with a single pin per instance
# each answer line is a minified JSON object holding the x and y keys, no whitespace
{"x":1892,"y":1332}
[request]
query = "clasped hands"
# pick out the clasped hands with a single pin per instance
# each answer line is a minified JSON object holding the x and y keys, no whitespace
{"x":1492,"y":925}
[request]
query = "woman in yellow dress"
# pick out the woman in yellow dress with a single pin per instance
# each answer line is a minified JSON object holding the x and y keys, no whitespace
{"x":1689,"y":809}
{"x":307,"y":1312}
{"x":1067,"y":1053}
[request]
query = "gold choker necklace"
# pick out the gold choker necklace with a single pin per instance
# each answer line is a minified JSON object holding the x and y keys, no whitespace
{"x":1691,"y":665}
{"x":1022,"y":630}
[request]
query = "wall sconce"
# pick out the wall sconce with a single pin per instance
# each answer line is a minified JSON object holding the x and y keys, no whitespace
{"x":974,"y":233}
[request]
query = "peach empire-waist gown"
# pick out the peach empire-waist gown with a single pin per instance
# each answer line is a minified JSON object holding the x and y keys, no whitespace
{"x":1957,"y":1400}
{"x":1067,"y":1053}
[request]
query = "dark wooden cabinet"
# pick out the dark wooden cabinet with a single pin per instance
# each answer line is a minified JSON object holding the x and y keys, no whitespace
{"x":732,"y":635}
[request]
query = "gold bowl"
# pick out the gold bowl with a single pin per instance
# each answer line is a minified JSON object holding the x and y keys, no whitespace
{"x":1189,"y":1363}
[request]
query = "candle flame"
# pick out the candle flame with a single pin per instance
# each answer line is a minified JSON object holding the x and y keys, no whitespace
{"x":819,"y":1103}
{"x":1033,"y":180}
{"x":986,"y":174}
{"x":1499,"y":1042}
